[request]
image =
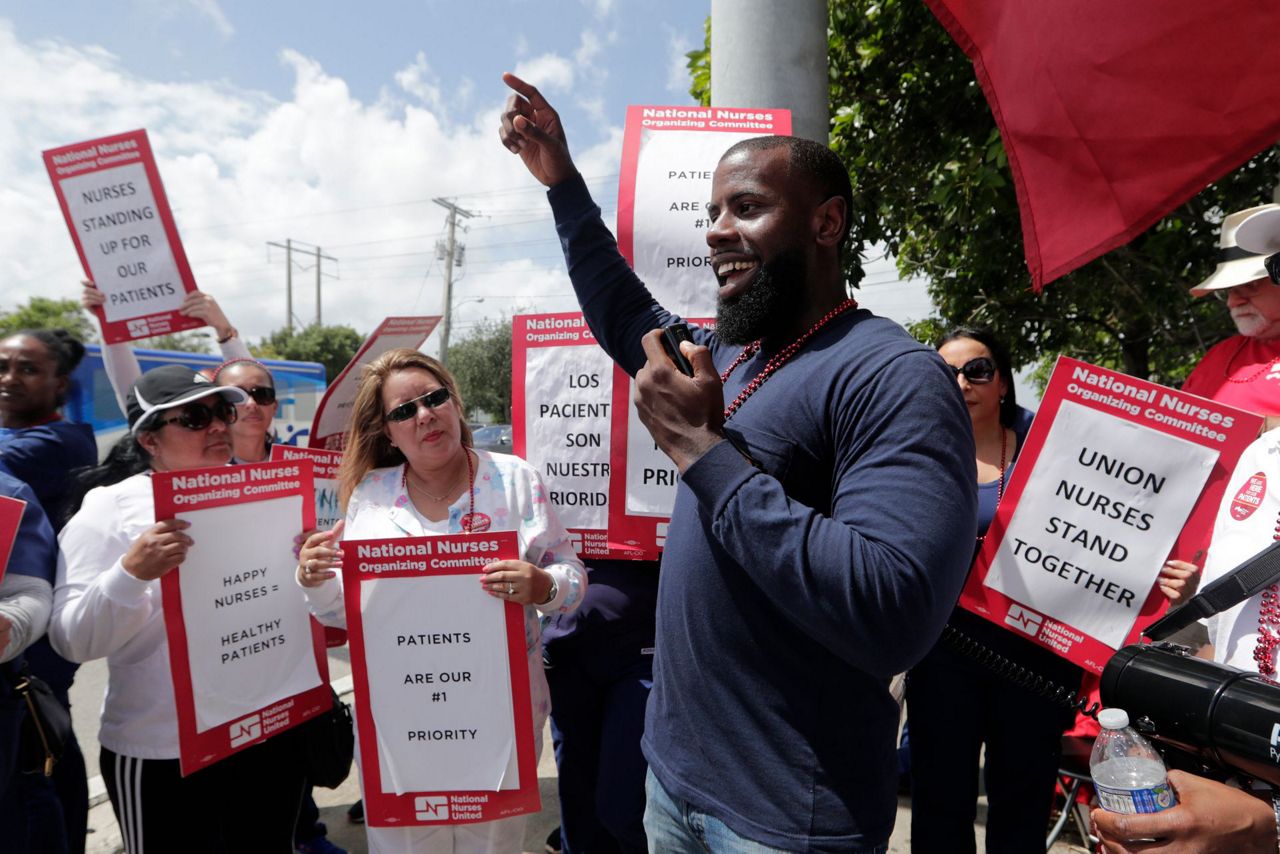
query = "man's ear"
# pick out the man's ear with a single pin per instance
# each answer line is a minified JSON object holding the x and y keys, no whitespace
{"x":829,"y":221}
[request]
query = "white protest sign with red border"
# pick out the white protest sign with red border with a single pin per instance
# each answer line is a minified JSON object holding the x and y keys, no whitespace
{"x":333,"y":415}
{"x":561,"y":397}
{"x":1117,"y":475}
{"x":324,"y":473}
{"x":441,"y":676}
{"x":110,"y":193}
{"x":11,"y":510}
{"x":248,"y":661}
{"x":643,"y":489}
{"x":669,"y":155}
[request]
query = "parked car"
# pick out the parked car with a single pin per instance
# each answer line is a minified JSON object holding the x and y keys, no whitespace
{"x":494,"y":437}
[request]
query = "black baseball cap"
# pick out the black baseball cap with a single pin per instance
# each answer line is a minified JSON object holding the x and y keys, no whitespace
{"x":171,"y":386}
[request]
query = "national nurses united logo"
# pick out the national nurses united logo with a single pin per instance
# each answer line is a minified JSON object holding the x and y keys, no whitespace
{"x":1249,"y":498}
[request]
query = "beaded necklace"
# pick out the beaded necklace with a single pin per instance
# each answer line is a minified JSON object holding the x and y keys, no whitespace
{"x":1226,"y":371}
{"x":1268,"y":624}
{"x":470,"y":518}
{"x":779,"y":359}
{"x":1004,"y":446}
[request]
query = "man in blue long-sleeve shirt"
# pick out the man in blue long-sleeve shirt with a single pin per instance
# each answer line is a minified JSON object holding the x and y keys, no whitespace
{"x":815,"y":554}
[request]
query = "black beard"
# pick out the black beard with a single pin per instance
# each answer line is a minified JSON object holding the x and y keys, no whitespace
{"x":767,"y":304}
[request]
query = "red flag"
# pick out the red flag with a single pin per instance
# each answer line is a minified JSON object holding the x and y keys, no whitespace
{"x":1114,"y":112}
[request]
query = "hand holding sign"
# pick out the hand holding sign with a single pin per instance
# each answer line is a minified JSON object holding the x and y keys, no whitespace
{"x":532,"y":129}
{"x":161,"y":547}
{"x":517,"y":581}
{"x":1178,"y":581}
{"x":319,"y":559}
{"x":196,"y":304}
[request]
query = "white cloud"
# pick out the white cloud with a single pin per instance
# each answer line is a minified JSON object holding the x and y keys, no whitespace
{"x":601,"y":8}
{"x":589,"y":46}
{"x":321,"y":166}
{"x":419,"y":81}
{"x":677,"y":63}
{"x":550,"y":72}
{"x":211,"y":10}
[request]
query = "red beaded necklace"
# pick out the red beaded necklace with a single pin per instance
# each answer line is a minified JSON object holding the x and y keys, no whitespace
{"x":779,"y":359}
{"x":1226,"y":371}
{"x":1268,"y":624}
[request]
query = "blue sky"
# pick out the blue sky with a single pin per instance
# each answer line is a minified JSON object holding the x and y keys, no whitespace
{"x":336,"y":124}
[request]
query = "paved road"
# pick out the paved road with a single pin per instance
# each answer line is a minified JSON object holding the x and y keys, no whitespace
{"x":104,"y":836}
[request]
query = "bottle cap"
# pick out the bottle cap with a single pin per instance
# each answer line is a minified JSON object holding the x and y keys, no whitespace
{"x":1113,"y":718}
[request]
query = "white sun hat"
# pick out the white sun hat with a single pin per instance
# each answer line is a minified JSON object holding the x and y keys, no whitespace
{"x":1237,"y":264}
{"x":1260,"y":231}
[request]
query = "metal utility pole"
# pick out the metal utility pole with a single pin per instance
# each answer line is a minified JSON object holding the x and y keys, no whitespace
{"x":770,"y":54}
{"x":451,"y":252}
{"x":288,"y":247}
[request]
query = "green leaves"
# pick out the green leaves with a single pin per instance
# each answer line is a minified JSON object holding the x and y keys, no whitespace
{"x":331,"y":346}
{"x":482,"y":365}
{"x":45,"y":313}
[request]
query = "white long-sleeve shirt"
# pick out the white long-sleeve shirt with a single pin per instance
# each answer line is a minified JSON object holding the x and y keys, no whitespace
{"x":101,"y":611}
{"x":25,"y":602}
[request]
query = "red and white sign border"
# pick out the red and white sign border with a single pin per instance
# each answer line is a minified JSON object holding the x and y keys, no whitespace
{"x":1089,"y":652}
{"x":116,"y":331}
{"x":201,"y":749}
{"x":387,"y":809}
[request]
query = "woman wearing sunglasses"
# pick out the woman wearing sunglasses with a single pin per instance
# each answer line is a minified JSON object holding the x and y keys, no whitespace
{"x":252,"y":434}
{"x":955,"y":705}
{"x":409,"y":471}
{"x":107,"y":604}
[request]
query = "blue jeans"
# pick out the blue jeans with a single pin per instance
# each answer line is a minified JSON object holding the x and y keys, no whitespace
{"x":675,"y":827}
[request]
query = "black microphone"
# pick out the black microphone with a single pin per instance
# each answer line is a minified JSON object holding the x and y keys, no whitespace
{"x":1245,"y":580}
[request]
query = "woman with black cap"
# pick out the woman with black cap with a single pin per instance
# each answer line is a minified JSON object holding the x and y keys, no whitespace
{"x":107,"y":604}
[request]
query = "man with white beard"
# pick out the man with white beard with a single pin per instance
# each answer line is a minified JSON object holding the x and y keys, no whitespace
{"x":1244,"y":370}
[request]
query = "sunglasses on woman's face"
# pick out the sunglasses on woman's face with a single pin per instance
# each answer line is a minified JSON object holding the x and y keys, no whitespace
{"x":263,"y":395}
{"x":409,"y":408}
{"x":196,"y":417}
{"x":977,"y":371}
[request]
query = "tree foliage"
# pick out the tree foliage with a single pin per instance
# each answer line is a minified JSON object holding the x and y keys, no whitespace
{"x":482,"y":365}
{"x":932,"y":183}
{"x":45,"y":313}
{"x":331,"y":346}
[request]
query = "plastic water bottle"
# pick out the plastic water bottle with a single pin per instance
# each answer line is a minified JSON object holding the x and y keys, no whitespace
{"x":1127,"y":771}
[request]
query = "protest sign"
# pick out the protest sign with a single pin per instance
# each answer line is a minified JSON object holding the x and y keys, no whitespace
{"x":1117,"y":475}
{"x":668,"y":157}
{"x":324,"y":474}
{"x":248,"y":660}
{"x":333,"y":416}
{"x":110,"y":193}
{"x":643,"y":488}
{"x":561,"y":397}
{"x":441,"y":677}
{"x":11,"y":510}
